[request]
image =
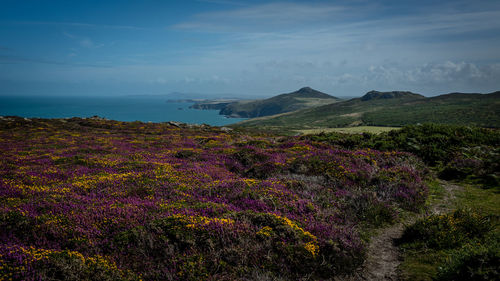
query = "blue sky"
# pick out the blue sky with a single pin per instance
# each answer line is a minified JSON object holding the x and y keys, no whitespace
{"x":233,"y":47}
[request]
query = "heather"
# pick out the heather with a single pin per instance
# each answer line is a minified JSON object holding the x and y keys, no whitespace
{"x":465,"y":153}
{"x":107,"y":200}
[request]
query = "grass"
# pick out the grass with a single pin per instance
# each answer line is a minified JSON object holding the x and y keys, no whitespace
{"x":478,"y":110}
{"x":422,"y":264}
{"x":458,"y":109}
{"x":436,"y":193}
{"x":301,"y":99}
{"x":349,"y":130}
{"x":486,"y":201}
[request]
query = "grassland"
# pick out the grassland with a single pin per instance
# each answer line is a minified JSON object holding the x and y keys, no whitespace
{"x":459,"y":109}
{"x":349,"y":130}
{"x":431,"y":262}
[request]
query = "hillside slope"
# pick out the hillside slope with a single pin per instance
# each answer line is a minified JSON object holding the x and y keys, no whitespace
{"x":303,"y":98}
{"x":93,"y":199}
{"x":390,"y":109}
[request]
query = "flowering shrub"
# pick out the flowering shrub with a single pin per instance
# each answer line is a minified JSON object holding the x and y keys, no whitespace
{"x":464,"y":245}
{"x":448,"y":230}
{"x":28,"y":263}
{"x":131,"y":201}
{"x":458,"y":152}
{"x":478,"y":261}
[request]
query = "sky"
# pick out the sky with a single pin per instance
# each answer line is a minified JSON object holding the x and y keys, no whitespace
{"x":248,"y":48}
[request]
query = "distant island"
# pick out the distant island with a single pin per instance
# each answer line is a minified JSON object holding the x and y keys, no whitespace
{"x":217,"y":104}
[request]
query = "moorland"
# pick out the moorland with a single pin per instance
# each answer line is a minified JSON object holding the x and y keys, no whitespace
{"x":95,"y":199}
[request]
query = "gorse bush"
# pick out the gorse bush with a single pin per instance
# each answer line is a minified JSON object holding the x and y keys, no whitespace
{"x":448,"y":230}
{"x":474,"y":261}
{"x":465,"y":244}
{"x":30,"y":263}
{"x":129,"y":200}
{"x":457,"y":151}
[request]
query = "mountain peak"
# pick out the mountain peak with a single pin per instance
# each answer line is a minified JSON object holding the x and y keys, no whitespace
{"x":373,"y":95}
{"x":306,"y":89}
{"x":308,"y":92}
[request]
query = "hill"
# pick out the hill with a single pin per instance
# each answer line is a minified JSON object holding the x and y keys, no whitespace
{"x":390,"y":109}
{"x":375,"y":95}
{"x":303,"y":98}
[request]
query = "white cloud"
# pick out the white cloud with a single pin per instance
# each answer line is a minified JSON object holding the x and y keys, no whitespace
{"x":448,"y":72}
{"x":437,"y":77}
{"x":277,"y":47}
{"x":77,"y":24}
{"x":84,"y":42}
{"x":87,"y":43}
{"x":161,"y":80}
{"x":257,"y":36}
{"x":262,"y":17}
{"x":355,"y":20}
{"x":223,"y":2}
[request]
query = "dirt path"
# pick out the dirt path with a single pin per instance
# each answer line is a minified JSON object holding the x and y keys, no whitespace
{"x":446,"y":204}
{"x":383,"y":255}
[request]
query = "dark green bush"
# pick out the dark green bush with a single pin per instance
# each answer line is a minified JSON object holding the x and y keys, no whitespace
{"x":185,"y":154}
{"x":457,"y":151}
{"x":70,"y":266}
{"x":448,"y":230}
{"x":476,"y":262}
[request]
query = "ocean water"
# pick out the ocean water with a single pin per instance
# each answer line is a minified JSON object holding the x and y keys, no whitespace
{"x":146,"y":109}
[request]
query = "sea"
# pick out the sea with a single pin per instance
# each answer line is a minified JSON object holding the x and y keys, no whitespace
{"x":133,"y":108}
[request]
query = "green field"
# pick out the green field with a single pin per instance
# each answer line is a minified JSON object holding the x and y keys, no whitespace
{"x":481,"y":110}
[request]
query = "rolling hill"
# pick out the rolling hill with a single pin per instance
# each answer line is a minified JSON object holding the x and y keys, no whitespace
{"x":389,"y":109}
{"x":301,"y":99}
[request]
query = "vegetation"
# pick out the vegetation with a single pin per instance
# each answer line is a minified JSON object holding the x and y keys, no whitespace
{"x":104,"y":200}
{"x":456,"y":152}
{"x":460,"y":245}
{"x":93,"y":199}
{"x":303,"y":98}
{"x":447,"y":230}
{"x":350,"y":130}
{"x":463,"y":244}
{"x":388,"y":109}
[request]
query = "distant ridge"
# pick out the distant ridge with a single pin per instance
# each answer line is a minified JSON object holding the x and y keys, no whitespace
{"x":465,"y":95}
{"x":371,"y":95}
{"x":307,"y":92}
{"x":305,"y":97}
{"x":396,"y":108}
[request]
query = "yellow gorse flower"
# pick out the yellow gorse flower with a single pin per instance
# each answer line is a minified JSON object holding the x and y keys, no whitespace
{"x":200,"y":221}
{"x":311,"y":246}
{"x":266,"y":231}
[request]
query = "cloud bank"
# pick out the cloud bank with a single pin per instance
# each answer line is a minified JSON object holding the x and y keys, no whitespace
{"x":340,"y":47}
